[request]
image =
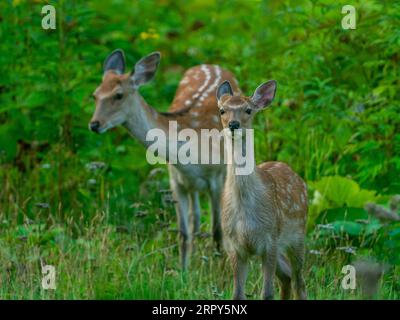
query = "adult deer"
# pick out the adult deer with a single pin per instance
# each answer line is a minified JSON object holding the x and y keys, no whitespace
{"x":263,"y":213}
{"x":118,"y":102}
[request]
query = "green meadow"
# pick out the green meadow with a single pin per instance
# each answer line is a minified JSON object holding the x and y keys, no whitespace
{"x":91,"y":205}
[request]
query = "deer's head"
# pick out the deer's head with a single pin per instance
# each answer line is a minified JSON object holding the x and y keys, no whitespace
{"x":114,"y":96}
{"x":237,"y":112}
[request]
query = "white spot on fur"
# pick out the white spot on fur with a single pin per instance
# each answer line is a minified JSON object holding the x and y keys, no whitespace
{"x":195,"y":124}
{"x":206,"y":81}
{"x":188,"y":102}
{"x":215,"y":119}
{"x":303,"y":200}
{"x":215,"y":83}
{"x":184,"y":81}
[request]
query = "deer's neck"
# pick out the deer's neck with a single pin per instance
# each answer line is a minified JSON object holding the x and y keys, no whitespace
{"x":142,"y":118}
{"x":243,"y":186}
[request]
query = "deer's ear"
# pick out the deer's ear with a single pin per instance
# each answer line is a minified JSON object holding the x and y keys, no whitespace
{"x":145,"y":69}
{"x":115,"y":61}
{"x":264,"y":94}
{"x":224,"y":88}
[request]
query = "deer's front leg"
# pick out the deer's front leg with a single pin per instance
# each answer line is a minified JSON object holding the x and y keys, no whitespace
{"x":240,"y":267}
{"x":269,"y":261}
{"x":195,"y":212}
{"x":181,"y":198}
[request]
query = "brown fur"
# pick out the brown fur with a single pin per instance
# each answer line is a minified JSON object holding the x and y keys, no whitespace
{"x":207,"y":108}
{"x":194,"y":106}
{"x":263,"y":214}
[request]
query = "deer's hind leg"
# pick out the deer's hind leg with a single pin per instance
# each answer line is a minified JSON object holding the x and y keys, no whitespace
{"x":283,"y":273}
{"x":296,"y":257}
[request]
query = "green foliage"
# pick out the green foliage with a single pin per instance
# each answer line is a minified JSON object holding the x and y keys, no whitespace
{"x":338,"y":196}
{"x":340,"y":191}
{"x":338,"y":212}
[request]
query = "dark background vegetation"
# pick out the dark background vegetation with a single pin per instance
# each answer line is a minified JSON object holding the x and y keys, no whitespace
{"x":107,"y":227}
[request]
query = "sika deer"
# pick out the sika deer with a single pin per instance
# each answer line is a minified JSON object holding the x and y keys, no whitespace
{"x":118,"y":102}
{"x":263,"y":213}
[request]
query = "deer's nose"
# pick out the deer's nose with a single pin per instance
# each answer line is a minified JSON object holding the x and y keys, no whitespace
{"x":233,"y":125}
{"x":94,"y":126}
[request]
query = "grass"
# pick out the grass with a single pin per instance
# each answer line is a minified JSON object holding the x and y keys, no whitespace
{"x":108,"y":231}
{"x":105,"y":244}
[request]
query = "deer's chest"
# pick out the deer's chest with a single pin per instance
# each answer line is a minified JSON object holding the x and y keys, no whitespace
{"x":244,"y":228}
{"x":195,"y":177}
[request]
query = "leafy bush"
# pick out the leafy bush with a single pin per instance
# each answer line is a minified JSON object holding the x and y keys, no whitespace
{"x":335,"y":120}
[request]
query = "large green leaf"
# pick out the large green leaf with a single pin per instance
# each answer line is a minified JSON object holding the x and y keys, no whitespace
{"x":340,"y":191}
{"x":345,"y":214}
{"x":349,"y":227}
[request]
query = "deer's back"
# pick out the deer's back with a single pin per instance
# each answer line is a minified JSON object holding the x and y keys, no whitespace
{"x":195,"y":100}
{"x":290,"y":190}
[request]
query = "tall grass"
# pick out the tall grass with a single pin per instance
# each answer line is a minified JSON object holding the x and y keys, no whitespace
{"x":118,"y":246}
{"x":108,"y":231}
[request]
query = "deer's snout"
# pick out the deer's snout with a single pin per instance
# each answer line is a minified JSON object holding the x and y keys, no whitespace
{"x":94,"y":126}
{"x":233,"y":125}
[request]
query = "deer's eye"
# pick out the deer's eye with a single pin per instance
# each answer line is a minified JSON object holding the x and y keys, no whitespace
{"x":222,"y":111}
{"x":248,"y":111}
{"x":118,"y":96}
